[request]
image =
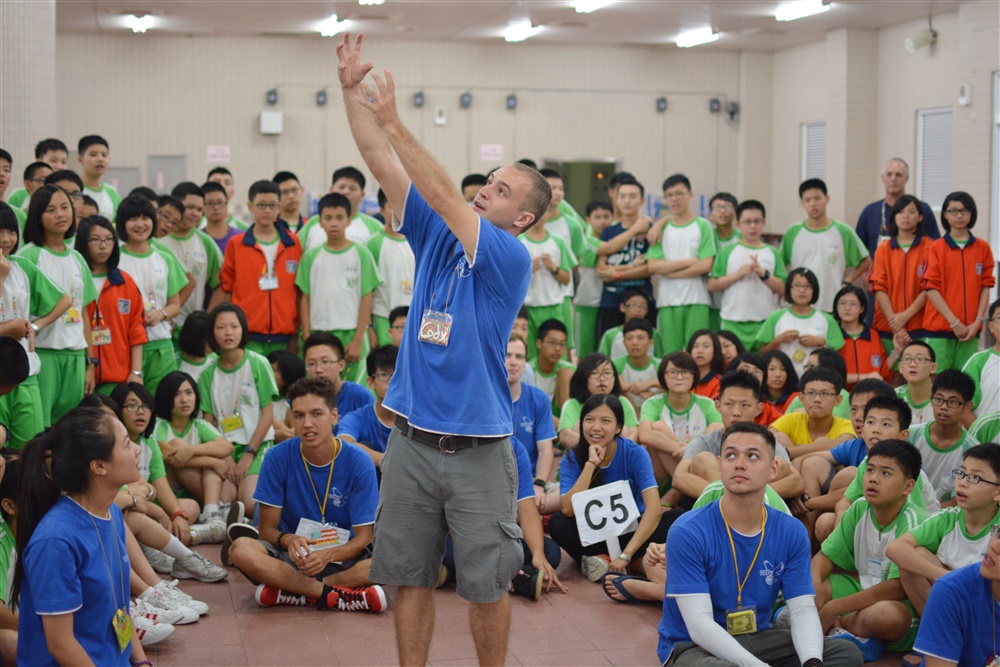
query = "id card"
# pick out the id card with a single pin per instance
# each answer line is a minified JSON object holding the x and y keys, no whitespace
{"x":324,"y":534}
{"x":72,"y":315}
{"x":435,"y":328}
{"x":122,"y":623}
{"x":100,"y":336}
{"x":268,"y":283}
{"x":232,"y":423}
{"x":741,"y":621}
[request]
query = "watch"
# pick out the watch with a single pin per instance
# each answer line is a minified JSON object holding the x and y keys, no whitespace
{"x":35,"y":327}
{"x":625,"y":557}
{"x":249,"y":450}
{"x":539,"y":482}
{"x":138,"y":374}
{"x":767,"y":274}
{"x":93,"y":361}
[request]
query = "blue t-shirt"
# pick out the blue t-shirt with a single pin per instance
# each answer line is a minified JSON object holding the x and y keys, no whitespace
{"x":461,"y":388}
{"x":850,"y":453}
{"x":957,"y":625}
{"x":631,"y":463}
{"x":533,"y":420}
{"x":66,"y":572}
{"x":525,"y":482}
{"x":874,"y":216}
{"x":364,"y":426}
{"x":700,"y":562}
{"x":353,"y":396}
{"x":611,"y":292}
{"x":353,"y":493}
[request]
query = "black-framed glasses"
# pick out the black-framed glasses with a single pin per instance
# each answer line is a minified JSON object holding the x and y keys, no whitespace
{"x":958,"y":473}
{"x":953,"y":403}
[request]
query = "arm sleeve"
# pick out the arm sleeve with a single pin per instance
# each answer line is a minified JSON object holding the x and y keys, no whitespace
{"x":176,"y":275}
{"x":834,"y":337}
{"x":364,"y":490}
{"x":136,"y":316}
{"x":569,"y":472}
{"x":630,"y":417}
{"x":370,"y":277}
{"x":569,"y":417}
{"x":156,"y":468}
{"x":651,"y":409}
{"x":696,"y":610}
{"x":721,"y":263}
{"x":89,"y":291}
{"x":267,"y":386}
{"x":305,"y":269}
{"x":855,"y":250}
{"x":854,"y":489}
{"x":932,"y":270}
{"x":878,"y":275}
{"x":206,"y":432}
{"x":767,"y":330}
{"x":45,"y":294}
{"x":52,"y":569}
{"x":939,"y":633}
{"x":707,"y":246}
{"x":545,"y":428}
{"x":807,"y":631}
{"x":214,"y":259}
{"x":227,"y":276}
{"x":839,"y":546}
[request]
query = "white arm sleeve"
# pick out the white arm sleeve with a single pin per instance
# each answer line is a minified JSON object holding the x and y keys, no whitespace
{"x":807,"y":631}
{"x":696,"y":610}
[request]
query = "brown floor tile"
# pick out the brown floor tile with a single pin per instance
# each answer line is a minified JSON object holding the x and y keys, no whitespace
{"x":570,"y":659}
{"x":174,"y":651}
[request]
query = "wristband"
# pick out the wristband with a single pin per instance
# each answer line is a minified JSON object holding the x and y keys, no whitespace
{"x":6,"y":432}
{"x":135,"y":502}
{"x":555,"y":271}
{"x":625,"y":557}
{"x":767,"y":274}
{"x":618,"y":275}
{"x":180,"y":513}
{"x":249,"y":450}
{"x":281,"y":536}
{"x":955,"y":323}
{"x":35,"y":327}
{"x":138,"y":374}
{"x":540,"y":482}
{"x":164,"y":311}
{"x":93,"y":361}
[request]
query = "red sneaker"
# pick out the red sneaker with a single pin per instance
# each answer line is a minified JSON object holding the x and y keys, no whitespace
{"x":268,"y":596}
{"x":369,"y":598}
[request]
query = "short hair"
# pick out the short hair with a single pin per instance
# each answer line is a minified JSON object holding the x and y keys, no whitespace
{"x":681,"y":360}
{"x":791,"y":375}
{"x":718,"y":363}
{"x":517,"y":338}
{"x":13,"y":362}
{"x":551,"y":324}
{"x":82,"y":241}
{"x":219,"y":170}
{"x":474,"y":180}
{"x":283,"y":176}
{"x":169,"y":200}
{"x":631,"y":292}
{"x":751,"y":205}
{"x":599,"y":205}
{"x":213,"y":343}
{"x":536,"y":201}
{"x":857,"y":292}
{"x":751,"y":358}
{"x":638,"y":324}
{"x":578,"y":383}
{"x":8,"y":222}
{"x":98,"y":400}
{"x":550,"y":172}
{"x":522,"y":314}
{"x":381,"y":358}
{"x":966,"y":200}
{"x":906,"y":167}
{"x":64,"y":175}
{"x":264,"y":188}
{"x":895,"y":404}
{"x":4,"y":155}
{"x":753,"y":429}
{"x":333,"y":200}
{"x":91,"y":140}
{"x":829,"y":358}
{"x":318,"y":338}
{"x":723,"y":196}
{"x":212,"y":186}
{"x":381,"y":198}
{"x":631,"y":181}
{"x":31,"y":169}
{"x":822,"y":374}
{"x":992,"y":311}
{"x":891,"y":227}
{"x":33,"y":230}
{"x":317,"y":386}
{"x":905,"y":455}
{"x":956,"y":381}
{"x":186,"y":188}
{"x":167,"y":390}
{"x":812,"y":184}
{"x":291,"y":367}
{"x":920,"y":343}
{"x":46,"y":145}
{"x":734,"y":339}
{"x":352,"y":173}
{"x":739,"y":380}
{"x":90,"y":201}
{"x":133,"y":207}
{"x":810,"y":278}
{"x":148,"y":193}
{"x":527,"y":161}
{"x":988,"y":452}
{"x":874,"y":386}
{"x":397,"y":312}
{"x":620,"y":177}
{"x":677,"y":179}
{"x":194,"y":334}
{"x":121,"y":392}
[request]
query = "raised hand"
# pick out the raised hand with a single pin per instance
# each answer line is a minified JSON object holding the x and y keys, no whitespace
{"x":350,"y":69}
{"x":382,"y":104}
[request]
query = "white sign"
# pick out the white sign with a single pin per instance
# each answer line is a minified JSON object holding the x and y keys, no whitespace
{"x":219,"y":154}
{"x":604,"y":513}
{"x":491,"y":152}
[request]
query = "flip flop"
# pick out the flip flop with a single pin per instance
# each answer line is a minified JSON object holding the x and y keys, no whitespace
{"x":618,"y":582}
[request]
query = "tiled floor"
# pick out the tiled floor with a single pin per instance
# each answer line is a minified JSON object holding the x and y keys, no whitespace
{"x":582,"y":627}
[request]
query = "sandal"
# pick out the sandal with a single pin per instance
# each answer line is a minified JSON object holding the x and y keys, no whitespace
{"x":617,"y":580}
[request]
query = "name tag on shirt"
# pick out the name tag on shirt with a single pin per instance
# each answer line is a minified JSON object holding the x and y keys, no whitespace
{"x":100,"y":336}
{"x":72,"y":316}
{"x":325,"y":535}
{"x":741,"y":621}
{"x":435,"y":328}
{"x":268,"y":283}
{"x":231,"y":423}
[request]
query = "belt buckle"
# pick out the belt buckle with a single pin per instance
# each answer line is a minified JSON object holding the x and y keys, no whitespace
{"x":442,"y":447}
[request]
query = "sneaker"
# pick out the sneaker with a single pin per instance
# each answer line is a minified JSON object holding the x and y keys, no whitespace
{"x":871,"y":649}
{"x":170,"y":591}
{"x":234,"y":532}
{"x":235,"y":515}
{"x":149,"y":632}
{"x":159,"y":561}
{"x":369,"y":598}
{"x":595,"y":567}
{"x":782,"y":617}
{"x":157,"y":615}
{"x":528,"y":583}
{"x":268,"y":596}
{"x":166,"y":603}
{"x":212,"y":532}
{"x":196,"y":566}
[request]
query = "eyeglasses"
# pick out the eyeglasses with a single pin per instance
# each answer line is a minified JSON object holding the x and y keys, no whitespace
{"x":34,"y":180}
{"x":636,"y":306}
{"x":958,"y":211}
{"x":801,"y":286}
{"x":75,"y":195}
{"x":952,"y":403}
{"x":995,"y":532}
{"x":266,"y":207}
{"x":914,"y":360}
{"x":322,"y":363}
{"x":100,"y":243}
{"x":722,"y":207}
{"x":679,"y":373}
{"x":752,"y":221}
{"x":383,"y":376}
{"x":397,"y":327}
{"x":602,"y":375}
{"x":288,"y":192}
{"x":135,"y":408}
{"x":214,"y":204}
{"x":555,"y":344}
{"x":825,"y":395}
{"x":958,"y":473}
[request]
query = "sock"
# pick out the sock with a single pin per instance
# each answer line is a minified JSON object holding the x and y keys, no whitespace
{"x":176,"y":549}
{"x":209,"y":510}
{"x":148,"y":593}
{"x":322,"y":602}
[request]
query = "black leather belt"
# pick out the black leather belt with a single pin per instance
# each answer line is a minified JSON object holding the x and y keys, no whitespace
{"x":449,"y":444}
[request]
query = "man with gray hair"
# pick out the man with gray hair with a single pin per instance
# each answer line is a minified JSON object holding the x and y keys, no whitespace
{"x":871,"y":224}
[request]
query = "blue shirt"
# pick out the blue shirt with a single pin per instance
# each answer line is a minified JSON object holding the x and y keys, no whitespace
{"x":525,"y":482}
{"x":630,"y":463}
{"x":353,"y":396}
{"x":700,"y":562}
{"x":872,"y":218}
{"x":364,"y":426}
{"x":850,"y":452}
{"x":283,"y":483}
{"x":66,"y":572}
{"x":957,"y":624}
{"x":461,"y":388}
{"x":612,"y":292}
{"x":533,"y":420}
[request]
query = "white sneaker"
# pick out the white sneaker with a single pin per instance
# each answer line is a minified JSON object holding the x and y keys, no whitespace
{"x":159,"y":561}
{"x":157,"y":615}
{"x":196,"y":566}
{"x":595,"y":567}
{"x":170,"y":590}
{"x":212,"y":532}
{"x":163,"y":601}
{"x":150,"y":632}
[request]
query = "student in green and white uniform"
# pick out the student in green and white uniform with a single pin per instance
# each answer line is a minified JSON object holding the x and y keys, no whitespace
{"x":93,"y":157}
{"x":638,"y":369}
{"x":567,"y":227}
{"x":986,"y":428}
{"x":192,"y":342}
{"x":722,"y":215}
{"x":350,"y":182}
{"x":62,"y":347}
{"x":714,"y":491}
{"x":552,"y":373}
{"x":159,"y":277}
{"x":9,"y":488}
{"x":28,"y":301}
{"x":552,"y":265}
{"x":396,"y":264}
{"x":984,"y":367}
{"x":634,"y":304}
{"x":596,"y":374}
{"x":348,"y":268}
{"x":587,"y":300}
{"x":236,"y":395}
{"x":832,"y":360}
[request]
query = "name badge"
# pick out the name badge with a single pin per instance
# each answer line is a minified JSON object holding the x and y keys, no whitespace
{"x":232,"y":423}
{"x":122,"y":624}
{"x":268,"y":283}
{"x":323,"y":535}
{"x":72,"y":316}
{"x":406,"y":286}
{"x":435,"y":328}
{"x":741,"y":621}
{"x":100,"y":336}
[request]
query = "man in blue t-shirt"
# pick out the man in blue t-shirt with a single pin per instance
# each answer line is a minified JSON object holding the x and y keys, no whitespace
{"x":449,"y":465}
{"x":317,"y":497}
{"x":369,"y":426}
{"x":727,"y":562}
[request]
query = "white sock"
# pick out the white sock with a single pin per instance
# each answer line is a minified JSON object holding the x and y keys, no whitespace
{"x":176,"y":549}
{"x":148,"y":593}
{"x":209,"y":510}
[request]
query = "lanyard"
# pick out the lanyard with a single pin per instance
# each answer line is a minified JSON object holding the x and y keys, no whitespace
{"x":736,"y":565}
{"x":329,"y":480}
{"x":451,"y":283}
{"x":121,"y":572}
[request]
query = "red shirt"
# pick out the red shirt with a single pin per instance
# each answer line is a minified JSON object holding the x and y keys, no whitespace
{"x":900,"y":275}
{"x":708,"y":386}
{"x":865,"y":354}
{"x":959,"y":274}
{"x":117,"y":316}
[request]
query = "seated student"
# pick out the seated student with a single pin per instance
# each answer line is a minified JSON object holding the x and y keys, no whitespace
{"x":863,"y":350}
{"x":595,"y":375}
{"x":10,"y":474}
{"x":196,"y":354}
{"x":942,"y":441}
{"x":603,"y":456}
{"x":397,"y":322}
{"x":731,"y":346}
{"x":752,"y":363}
{"x":714,"y":609}
{"x":669,"y":421}
{"x":986,"y":428}
{"x":984,"y":367}
{"x":637,"y":369}
{"x":781,"y":382}
{"x":395,"y":261}
{"x":917,"y":364}
{"x":369,"y":426}
{"x":867,"y":605}
{"x":288,"y":368}
{"x":291,"y":566}
{"x":534,"y":427}
{"x":551,"y":372}
{"x":324,"y":356}
{"x":956,"y":628}
{"x":831,"y":359}
{"x":817,"y":429}
{"x":706,"y":350}
{"x":634,"y":306}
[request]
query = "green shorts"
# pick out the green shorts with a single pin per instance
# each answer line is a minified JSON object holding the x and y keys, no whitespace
{"x":567,"y":319}
{"x":357,"y":371}
{"x":381,"y":326}
{"x":842,"y":585}
{"x":715,"y":319}
{"x":258,"y":459}
{"x":158,"y":361}
{"x":745,"y":331}
{"x":60,"y":382}
{"x":537,"y":315}
{"x":585,"y":326}
{"x":677,"y":323}
{"x":21,"y":412}
{"x":262,"y":348}
{"x":951,"y":354}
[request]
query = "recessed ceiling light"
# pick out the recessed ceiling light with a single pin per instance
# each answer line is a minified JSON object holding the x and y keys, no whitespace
{"x":696,"y":37}
{"x":791,"y":11}
{"x":518,"y":32}
{"x":331,"y":26}
{"x":587,"y":6}
{"x":139,"y":23}
{"x":371,"y":2}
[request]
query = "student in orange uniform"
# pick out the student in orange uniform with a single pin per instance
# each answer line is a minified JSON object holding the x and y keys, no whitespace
{"x":863,"y":351}
{"x":958,"y":280}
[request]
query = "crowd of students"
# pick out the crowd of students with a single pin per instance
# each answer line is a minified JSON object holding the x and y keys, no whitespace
{"x":174,"y":375}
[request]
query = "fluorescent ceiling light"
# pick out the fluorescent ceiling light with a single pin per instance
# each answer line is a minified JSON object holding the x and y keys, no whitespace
{"x":791,"y":11}
{"x":139,"y":23}
{"x":587,"y":6}
{"x":518,"y":32}
{"x":371,"y":2}
{"x":331,"y":26}
{"x":696,"y":37}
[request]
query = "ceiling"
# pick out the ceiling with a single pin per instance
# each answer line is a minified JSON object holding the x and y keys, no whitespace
{"x":743,"y":24}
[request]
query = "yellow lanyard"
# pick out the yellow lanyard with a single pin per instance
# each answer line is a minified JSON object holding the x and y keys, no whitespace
{"x":329,"y":480}
{"x":736,"y":565}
